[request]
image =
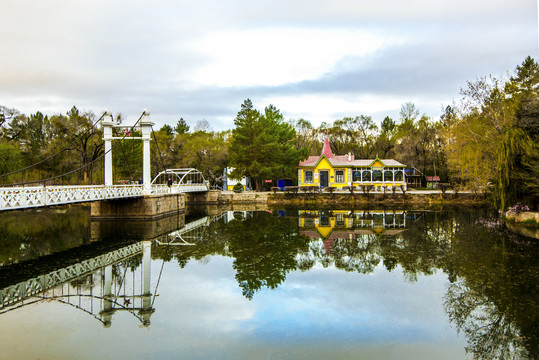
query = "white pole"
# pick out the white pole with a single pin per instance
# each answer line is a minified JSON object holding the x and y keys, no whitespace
{"x":146,"y":295}
{"x":146,"y":126}
{"x":107,"y":297}
{"x":106,"y":124}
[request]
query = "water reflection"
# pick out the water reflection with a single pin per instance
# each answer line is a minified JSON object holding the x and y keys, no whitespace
{"x":27,"y":235}
{"x":491,"y":294}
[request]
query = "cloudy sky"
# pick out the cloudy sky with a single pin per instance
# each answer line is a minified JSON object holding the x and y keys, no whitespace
{"x":199,"y":59}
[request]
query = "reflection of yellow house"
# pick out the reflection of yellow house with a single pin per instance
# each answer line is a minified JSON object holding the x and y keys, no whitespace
{"x":346,"y":224}
{"x":344,"y":170}
{"x":389,"y":222}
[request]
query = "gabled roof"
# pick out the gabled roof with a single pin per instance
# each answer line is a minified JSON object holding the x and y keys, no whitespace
{"x":377,"y":159}
{"x":344,"y":160}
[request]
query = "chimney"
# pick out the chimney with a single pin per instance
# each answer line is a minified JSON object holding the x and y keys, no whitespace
{"x":349,"y":157}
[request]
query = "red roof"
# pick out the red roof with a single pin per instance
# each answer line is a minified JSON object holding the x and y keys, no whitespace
{"x":344,"y":160}
{"x":326,"y":150}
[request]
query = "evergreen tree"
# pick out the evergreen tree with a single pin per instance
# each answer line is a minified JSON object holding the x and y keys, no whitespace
{"x":263,"y":145}
{"x":181,"y":127}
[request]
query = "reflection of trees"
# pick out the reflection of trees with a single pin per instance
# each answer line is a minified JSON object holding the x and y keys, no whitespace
{"x":421,"y":249}
{"x":83,"y":282}
{"x":359,"y":254}
{"x":264,"y":249}
{"x":492,"y":298}
{"x":491,"y":334}
{"x":494,"y":275}
{"x":29,"y":235}
{"x":212,"y":240}
{"x":308,"y":258}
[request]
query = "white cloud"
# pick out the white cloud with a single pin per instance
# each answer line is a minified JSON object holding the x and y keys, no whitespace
{"x":278,"y":56}
{"x":201,"y":59}
{"x":318,"y":108}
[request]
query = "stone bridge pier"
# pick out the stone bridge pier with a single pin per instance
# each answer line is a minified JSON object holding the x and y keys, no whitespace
{"x":145,"y":207}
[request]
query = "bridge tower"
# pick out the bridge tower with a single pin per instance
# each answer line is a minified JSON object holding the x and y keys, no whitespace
{"x":146,"y":129}
{"x":107,"y":123}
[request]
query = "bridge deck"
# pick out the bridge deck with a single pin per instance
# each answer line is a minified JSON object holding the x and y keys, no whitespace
{"x":38,"y":196}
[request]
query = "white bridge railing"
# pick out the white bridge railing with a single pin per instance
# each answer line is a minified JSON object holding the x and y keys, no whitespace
{"x":36,"y":196}
{"x":27,"y":197}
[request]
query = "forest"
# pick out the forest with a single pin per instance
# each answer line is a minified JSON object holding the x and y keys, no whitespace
{"x":486,"y":142}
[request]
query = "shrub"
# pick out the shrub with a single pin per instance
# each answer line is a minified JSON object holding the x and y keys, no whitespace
{"x":367,"y":188}
{"x":518,"y":208}
{"x":330,"y":189}
{"x":237,"y":188}
{"x":291,"y":189}
{"x":444,"y":187}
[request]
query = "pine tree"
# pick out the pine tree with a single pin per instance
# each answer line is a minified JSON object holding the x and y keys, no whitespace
{"x":263,"y":145}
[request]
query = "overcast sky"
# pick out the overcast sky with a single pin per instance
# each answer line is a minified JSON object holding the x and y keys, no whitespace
{"x":200,"y":59}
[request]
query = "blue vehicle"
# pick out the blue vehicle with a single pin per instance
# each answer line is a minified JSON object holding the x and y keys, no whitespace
{"x":281,"y":183}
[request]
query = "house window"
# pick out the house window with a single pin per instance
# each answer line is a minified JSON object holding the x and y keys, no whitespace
{"x":324,"y":220}
{"x":377,"y":175}
{"x":366,"y":175}
{"x":308,"y":176}
{"x":339,"y":176}
{"x":398,"y":176}
{"x":356,"y":175}
{"x":388,"y":176}
{"x":339,"y":220}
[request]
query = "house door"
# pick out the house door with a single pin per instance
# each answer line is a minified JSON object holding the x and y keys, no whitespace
{"x":324,"y":177}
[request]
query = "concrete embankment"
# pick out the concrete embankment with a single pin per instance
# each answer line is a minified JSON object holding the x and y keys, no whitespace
{"x":524,"y":223}
{"x":145,"y":207}
{"x":155,"y":206}
{"x":346,"y":199}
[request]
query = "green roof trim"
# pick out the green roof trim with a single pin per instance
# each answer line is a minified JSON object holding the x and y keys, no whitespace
{"x":320,"y":159}
{"x":377,"y":159}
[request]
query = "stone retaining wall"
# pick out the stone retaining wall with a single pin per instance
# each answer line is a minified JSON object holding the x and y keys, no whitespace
{"x":155,"y":206}
{"x":376,"y":198}
{"x":523,"y":217}
{"x":146,"y":207}
{"x":281,"y":198}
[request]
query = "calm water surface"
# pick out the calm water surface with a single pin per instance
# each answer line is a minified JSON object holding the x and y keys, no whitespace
{"x":283,"y":284}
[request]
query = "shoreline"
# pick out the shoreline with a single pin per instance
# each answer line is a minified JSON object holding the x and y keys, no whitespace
{"x":411,"y":198}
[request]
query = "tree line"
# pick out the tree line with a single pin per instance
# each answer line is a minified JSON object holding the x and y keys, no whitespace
{"x":486,"y":141}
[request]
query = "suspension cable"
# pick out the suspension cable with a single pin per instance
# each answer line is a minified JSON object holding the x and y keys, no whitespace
{"x":80,"y":168}
{"x":53,"y":155}
{"x":158,"y":150}
{"x":129,"y":165}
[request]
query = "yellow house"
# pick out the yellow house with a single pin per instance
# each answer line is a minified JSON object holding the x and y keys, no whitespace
{"x":344,"y":170}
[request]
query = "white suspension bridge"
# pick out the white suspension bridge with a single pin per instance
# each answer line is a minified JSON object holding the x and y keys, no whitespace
{"x":181,"y":180}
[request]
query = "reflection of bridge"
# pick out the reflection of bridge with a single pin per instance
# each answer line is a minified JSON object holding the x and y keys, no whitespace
{"x":192,"y":231}
{"x":102,"y":285}
{"x":22,"y":197}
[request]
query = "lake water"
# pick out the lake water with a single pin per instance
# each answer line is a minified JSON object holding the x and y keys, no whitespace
{"x":280,"y":284}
